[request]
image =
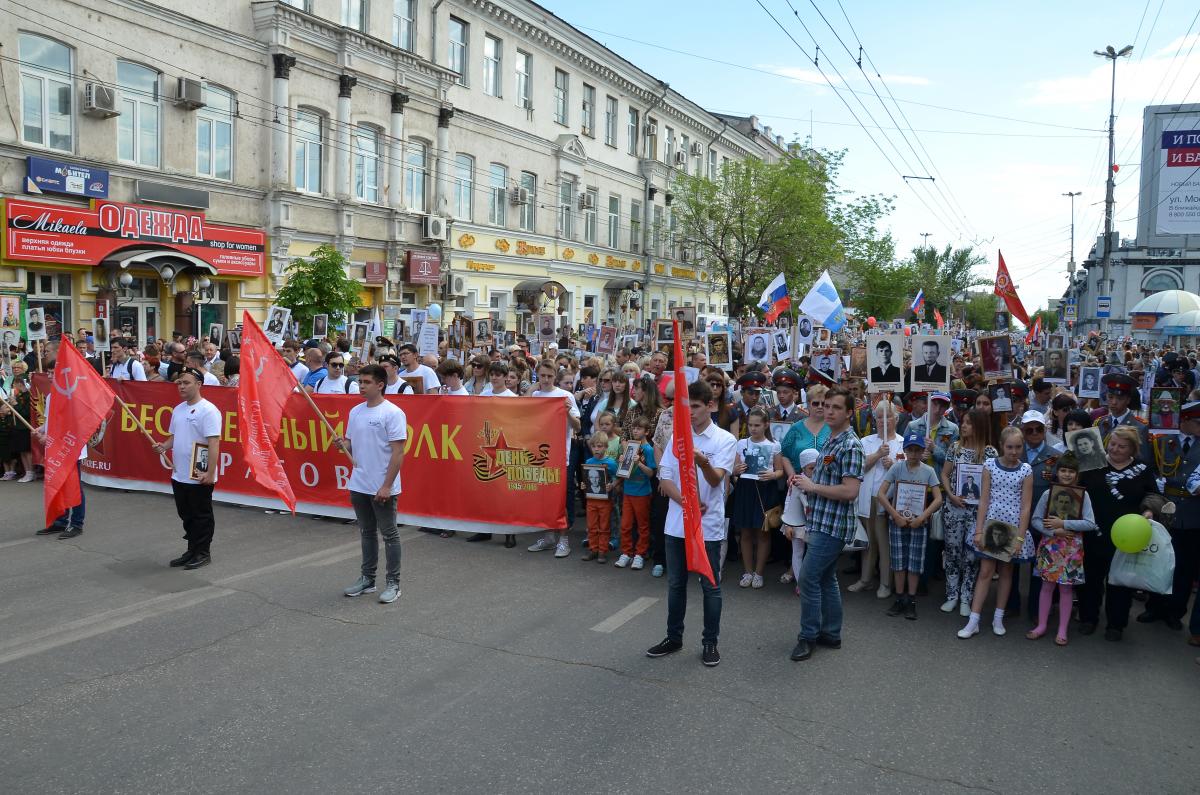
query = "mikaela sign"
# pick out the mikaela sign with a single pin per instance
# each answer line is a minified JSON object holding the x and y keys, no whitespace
{"x":86,"y":235}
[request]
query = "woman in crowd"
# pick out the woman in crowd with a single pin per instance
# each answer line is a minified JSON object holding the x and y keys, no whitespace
{"x":21,"y":402}
{"x":478,"y":379}
{"x":1060,"y":406}
{"x":961,"y":512}
{"x":645,"y":403}
{"x":233,"y":370}
{"x":614,"y":396}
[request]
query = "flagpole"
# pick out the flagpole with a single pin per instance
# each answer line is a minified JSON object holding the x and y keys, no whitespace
{"x":325,"y":421}
{"x":17,"y":414}
{"x":162,"y":457}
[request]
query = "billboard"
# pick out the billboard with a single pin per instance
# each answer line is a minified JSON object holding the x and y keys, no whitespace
{"x":1169,"y":198}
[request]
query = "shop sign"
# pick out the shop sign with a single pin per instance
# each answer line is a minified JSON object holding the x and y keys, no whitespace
{"x":613,"y":262}
{"x":683,"y":273}
{"x":44,"y":175}
{"x":424,"y":267}
{"x":530,"y":250}
{"x":87,"y":235}
{"x":375,"y":273}
{"x":475,"y":265}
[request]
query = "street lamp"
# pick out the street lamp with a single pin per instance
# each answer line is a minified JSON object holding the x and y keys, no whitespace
{"x":1111,"y":54}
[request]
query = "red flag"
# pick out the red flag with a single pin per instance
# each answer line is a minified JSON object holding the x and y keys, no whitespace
{"x":937,"y":316}
{"x":266,"y":383}
{"x":1035,"y":333}
{"x":1006,"y":290}
{"x":79,"y":403}
{"x":693,"y":534}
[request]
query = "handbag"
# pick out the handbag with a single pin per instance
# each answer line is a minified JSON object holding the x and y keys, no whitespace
{"x":772,"y":518}
{"x":861,"y":540}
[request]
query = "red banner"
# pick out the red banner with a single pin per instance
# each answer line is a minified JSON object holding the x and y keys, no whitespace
{"x":41,"y":232}
{"x":483,"y":464}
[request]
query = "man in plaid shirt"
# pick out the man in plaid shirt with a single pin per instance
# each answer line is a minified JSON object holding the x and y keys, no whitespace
{"x":831,"y":524}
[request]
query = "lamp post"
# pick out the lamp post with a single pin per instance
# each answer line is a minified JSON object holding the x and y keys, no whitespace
{"x":1071,"y":264}
{"x":1111,"y":54}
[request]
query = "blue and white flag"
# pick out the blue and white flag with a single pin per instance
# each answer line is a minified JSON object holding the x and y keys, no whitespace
{"x":824,"y":305}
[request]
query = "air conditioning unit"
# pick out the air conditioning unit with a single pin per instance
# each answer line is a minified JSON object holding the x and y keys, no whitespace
{"x":519,"y":196}
{"x":189,"y":93}
{"x":527,"y":103}
{"x":456,"y":286}
{"x":433,"y":227}
{"x":587,"y":201}
{"x":681,"y":158}
{"x":684,"y":256}
{"x":651,"y":130}
{"x":100,"y":101}
{"x":697,"y":149}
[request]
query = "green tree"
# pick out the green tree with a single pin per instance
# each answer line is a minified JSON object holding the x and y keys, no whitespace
{"x":870,"y":279}
{"x":944,"y":274}
{"x":981,"y":311}
{"x":1049,"y":319}
{"x":319,"y":286}
{"x":757,"y":219}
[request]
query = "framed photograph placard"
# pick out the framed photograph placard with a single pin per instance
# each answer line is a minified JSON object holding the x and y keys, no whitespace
{"x":595,"y":481}
{"x":967,"y":481}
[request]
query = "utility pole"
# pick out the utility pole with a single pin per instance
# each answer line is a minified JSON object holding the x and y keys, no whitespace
{"x":925,"y":239}
{"x":1071,"y":264}
{"x":1106,"y":286}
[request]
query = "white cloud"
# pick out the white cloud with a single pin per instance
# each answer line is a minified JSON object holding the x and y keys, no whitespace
{"x":1160,"y":77}
{"x":806,"y":75}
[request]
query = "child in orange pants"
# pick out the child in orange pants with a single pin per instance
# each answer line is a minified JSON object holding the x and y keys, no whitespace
{"x":599,"y":479}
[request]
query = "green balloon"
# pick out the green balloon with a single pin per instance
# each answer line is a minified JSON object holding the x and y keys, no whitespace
{"x":1131,"y":532}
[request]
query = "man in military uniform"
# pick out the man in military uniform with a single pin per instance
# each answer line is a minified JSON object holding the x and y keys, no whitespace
{"x":917,"y":403}
{"x":1123,"y":401}
{"x":750,"y":387}
{"x":964,"y":401}
{"x":1180,"y":456}
{"x":787,"y":390}
{"x":1019,"y":392}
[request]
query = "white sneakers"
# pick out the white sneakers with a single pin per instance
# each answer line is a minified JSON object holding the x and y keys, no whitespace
{"x":639,"y":563}
{"x":970,"y":630}
{"x":757,"y":582}
{"x":861,"y":585}
{"x":541,"y":545}
{"x":964,"y":610}
{"x":884,"y":592}
{"x":622,"y":561}
{"x":998,"y":627}
{"x":27,"y":478}
{"x":747,"y":578}
{"x":949,"y":605}
{"x":562,"y":549}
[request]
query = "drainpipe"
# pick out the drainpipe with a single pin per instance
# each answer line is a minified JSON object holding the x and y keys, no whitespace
{"x":711,"y":141}
{"x":647,"y":199}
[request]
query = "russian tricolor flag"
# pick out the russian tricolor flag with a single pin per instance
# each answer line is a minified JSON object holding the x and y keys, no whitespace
{"x":918,"y":304}
{"x":775,"y":301}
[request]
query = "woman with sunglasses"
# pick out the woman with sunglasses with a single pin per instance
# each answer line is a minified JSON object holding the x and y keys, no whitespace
{"x":477,"y":380}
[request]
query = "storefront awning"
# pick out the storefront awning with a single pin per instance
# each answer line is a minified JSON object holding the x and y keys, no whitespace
{"x":622,"y":284}
{"x":158,"y":259}
{"x":551,"y":288}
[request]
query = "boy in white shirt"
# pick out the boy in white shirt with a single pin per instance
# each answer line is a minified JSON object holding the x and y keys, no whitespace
{"x":335,"y":382}
{"x":412,"y":366}
{"x":557,"y":539}
{"x":497,"y":381}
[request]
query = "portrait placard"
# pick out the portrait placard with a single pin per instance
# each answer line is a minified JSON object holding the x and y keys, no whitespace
{"x":884,"y":355}
{"x":995,"y":356}
{"x":968,"y":478}
{"x":930,"y":363}
{"x":1089,"y":382}
{"x":1065,"y":502}
{"x":910,"y":498}
{"x":595,"y":481}
{"x":1088,"y":446}
{"x":719,"y":349}
{"x":278,"y":320}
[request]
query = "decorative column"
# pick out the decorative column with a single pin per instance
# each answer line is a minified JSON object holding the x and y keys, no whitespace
{"x":441,"y":204}
{"x":342,"y":138}
{"x":395,"y":190}
{"x":279,"y":125}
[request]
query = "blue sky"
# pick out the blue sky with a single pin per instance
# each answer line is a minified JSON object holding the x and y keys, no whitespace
{"x":1001,"y":181}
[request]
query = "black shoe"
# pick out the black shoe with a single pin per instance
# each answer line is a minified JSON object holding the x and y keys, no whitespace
{"x":1087,"y":628}
{"x":897,"y":607}
{"x":200,"y":559}
{"x":910,"y":610}
{"x":662,"y":649}
{"x":1113,"y":634}
{"x":802,"y":651}
{"x":710,"y":656}
{"x":49,"y":531}
{"x":1174,"y":623}
{"x":70,"y":532}
{"x":479,"y":537}
{"x":829,"y":641}
{"x":1148,"y":617}
{"x":182,"y":560}
{"x":510,"y":541}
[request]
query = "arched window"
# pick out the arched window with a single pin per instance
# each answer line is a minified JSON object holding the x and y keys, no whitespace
{"x":307,"y":150}
{"x":366,"y":163}
{"x":46,"y":92}
{"x":138,"y":126}
{"x":1157,"y":281}
{"x":214,"y":134}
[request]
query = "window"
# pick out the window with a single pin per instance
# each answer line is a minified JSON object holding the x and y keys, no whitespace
{"x":614,"y":221}
{"x":589,"y":110}
{"x":672,"y":235}
{"x":632,"y":131}
{"x":415,"y":173}
{"x":458,"y":49}
{"x":1159,"y":281}
{"x":491,"y":65}
{"x":712,"y":163}
{"x":524,"y":76}
{"x":306,"y":151}
{"x":566,"y":207}
{"x":610,"y":121}
{"x":46,"y":91}
{"x":669,"y":134}
{"x":589,"y":215}
{"x":464,"y":186}
{"x":497,"y":208}
{"x":214,"y":134}
{"x":685,"y":146}
{"x":528,"y":219}
{"x":404,"y":14}
{"x":354,"y":14}
{"x":635,"y":226}
{"x":562,"y":91}
{"x":137,"y":126}
{"x":303,"y":5}
{"x":367,"y":150}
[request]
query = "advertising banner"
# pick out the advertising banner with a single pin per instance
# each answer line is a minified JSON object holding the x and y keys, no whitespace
{"x":478,"y":464}
{"x":1179,"y":179}
{"x":86,"y":235}
{"x":54,"y":176}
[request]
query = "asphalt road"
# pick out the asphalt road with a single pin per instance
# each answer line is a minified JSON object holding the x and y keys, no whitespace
{"x":504,"y":671}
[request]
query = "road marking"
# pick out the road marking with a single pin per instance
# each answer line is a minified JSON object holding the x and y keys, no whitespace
{"x":625,"y":614}
{"x":90,"y":626}
{"x":8,"y":544}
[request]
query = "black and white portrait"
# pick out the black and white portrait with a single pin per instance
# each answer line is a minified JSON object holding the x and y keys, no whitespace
{"x":829,"y":363}
{"x":278,"y":318}
{"x":718,"y":349}
{"x":884,"y":355}
{"x":216,"y":334}
{"x":483,"y":331}
{"x":1001,"y":395}
{"x":930,"y":363}
{"x":1089,"y":382}
{"x":804,"y":330}
{"x":100,"y":339}
{"x":628,"y":460}
{"x":783,"y":349}
{"x":757,"y":459}
{"x":686,"y":315}
{"x":321,"y":326}
{"x":595,"y":481}
{"x":758,"y":348}
{"x":1088,"y":446}
{"x":35,"y":324}
{"x":1056,"y":366}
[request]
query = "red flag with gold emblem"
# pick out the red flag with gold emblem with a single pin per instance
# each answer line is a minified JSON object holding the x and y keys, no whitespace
{"x":1008,"y":291}
{"x":693,"y":533}
{"x":265,"y":385}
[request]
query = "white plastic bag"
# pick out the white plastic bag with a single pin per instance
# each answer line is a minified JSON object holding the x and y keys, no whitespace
{"x":1152,"y":569}
{"x":861,"y":540}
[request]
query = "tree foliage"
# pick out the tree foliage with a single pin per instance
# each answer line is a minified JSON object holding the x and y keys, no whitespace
{"x":1049,"y":319}
{"x":943,"y":275}
{"x":319,"y":285}
{"x":981,"y":311}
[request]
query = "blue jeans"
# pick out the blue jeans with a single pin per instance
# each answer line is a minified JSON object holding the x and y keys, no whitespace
{"x":377,"y":517}
{"x":73,"y":517}
{"x":820,"y":599}
{"x":677,"y":580}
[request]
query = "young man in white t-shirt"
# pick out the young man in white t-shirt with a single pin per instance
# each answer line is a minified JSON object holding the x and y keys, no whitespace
{"x":412,"y":366}
{"x":335,"y":382}
{"x":375,"y":434}
{"x":195,"y":360}
{"x":547,"y":372}
{"x":125,"y":367}
{"x":497,"y":381}
{"x":194,"y":440}
{"x":713,"y":449}
{"x":395,"y":384}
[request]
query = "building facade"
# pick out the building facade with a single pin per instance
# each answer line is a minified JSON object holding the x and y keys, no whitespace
{"x":483,"y":155}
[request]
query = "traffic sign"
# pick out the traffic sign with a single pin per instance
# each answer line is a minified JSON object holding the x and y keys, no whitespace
{"x":1104,"y":306}
{"x":1072,"y":311}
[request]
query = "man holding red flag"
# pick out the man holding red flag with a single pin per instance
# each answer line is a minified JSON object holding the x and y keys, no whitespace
{"x":266,"y":384}
{"x":83,"y":401}
{"x":695,"y":523}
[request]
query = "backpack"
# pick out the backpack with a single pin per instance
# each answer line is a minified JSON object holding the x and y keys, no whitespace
{"x":317,"y":388}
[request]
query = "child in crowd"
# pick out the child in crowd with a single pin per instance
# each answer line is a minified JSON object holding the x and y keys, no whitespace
{"x":795,"y":522}
{"x":1007,"y":491}
{"x":1060,"y":552}
{"x":635,"y":505}
{"x":606,"y":423}
{"x":757,"y":468}
{"x":908,"y":528}
{"x":599,"y":511}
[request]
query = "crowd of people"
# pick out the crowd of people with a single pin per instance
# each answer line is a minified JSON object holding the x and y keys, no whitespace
{"x":937,"y":494}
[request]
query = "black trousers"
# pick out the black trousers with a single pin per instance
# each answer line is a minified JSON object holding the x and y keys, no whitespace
{"x":193,"y":502}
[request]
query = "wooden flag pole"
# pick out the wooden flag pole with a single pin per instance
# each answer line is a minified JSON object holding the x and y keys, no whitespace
{"x":17,"y":414}
{"x":162,"y":457}
{"x":325,"y":421}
